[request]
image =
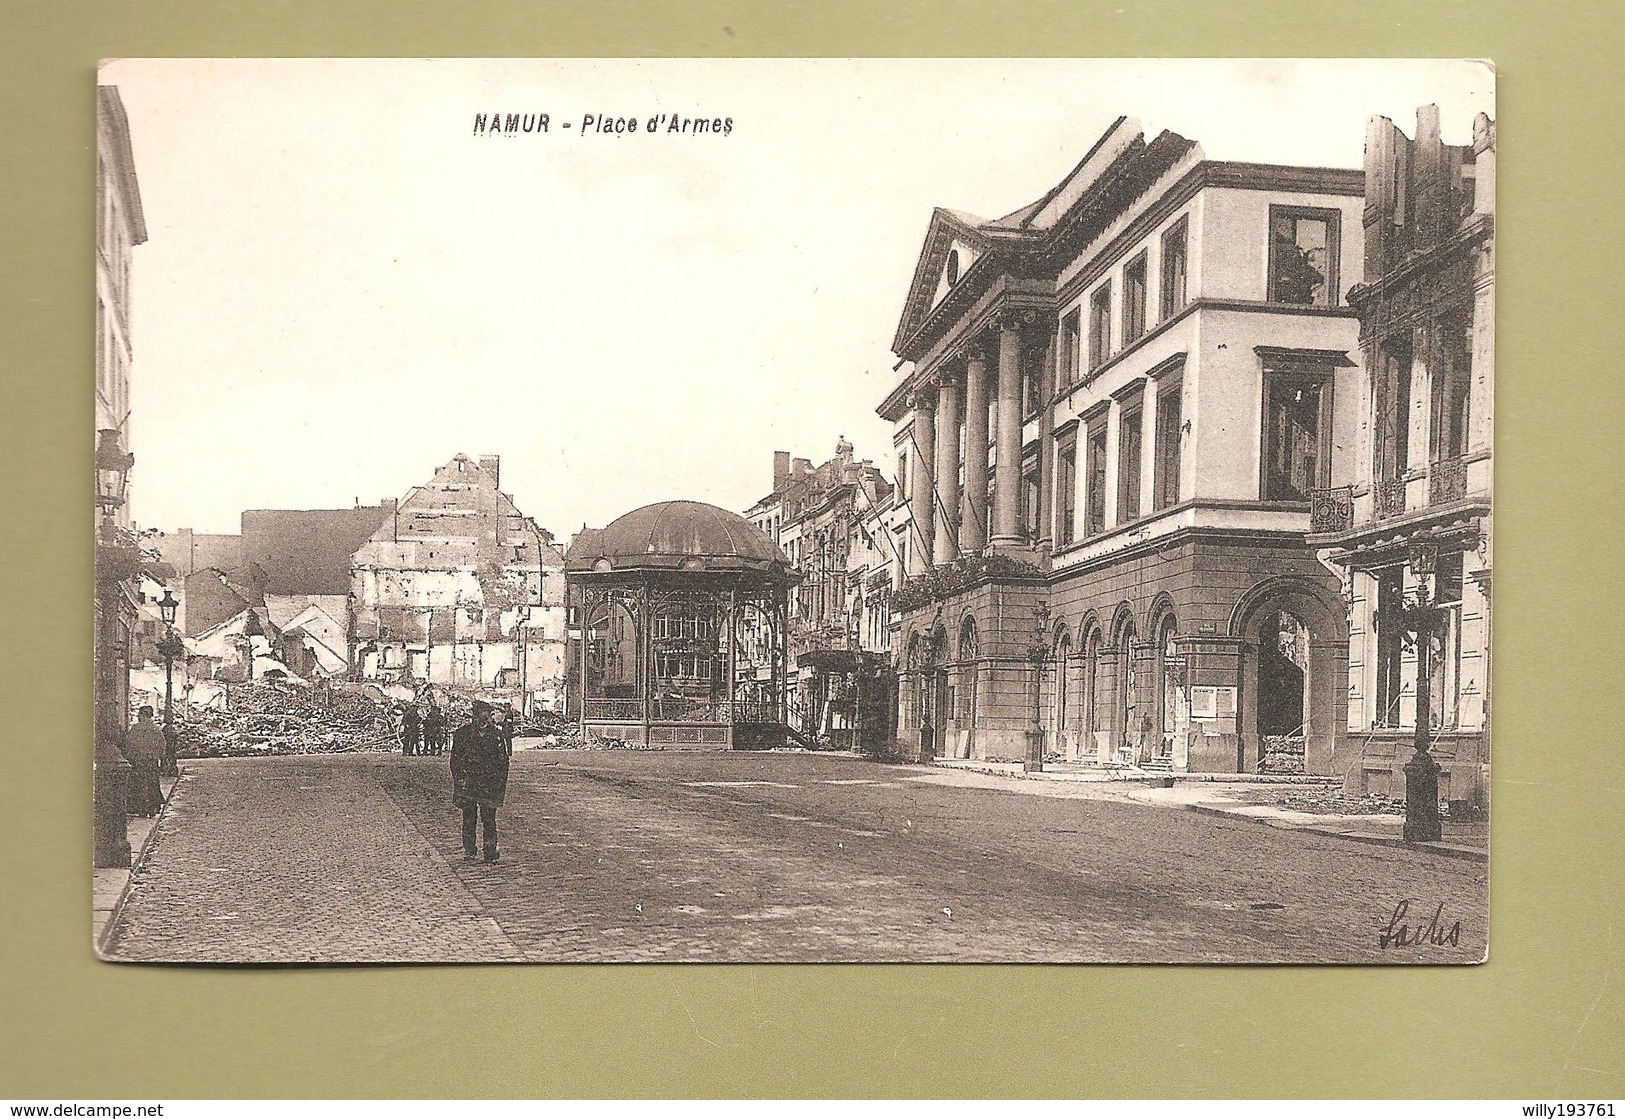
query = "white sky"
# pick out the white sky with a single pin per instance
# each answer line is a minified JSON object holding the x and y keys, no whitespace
{"x":343,"y":287}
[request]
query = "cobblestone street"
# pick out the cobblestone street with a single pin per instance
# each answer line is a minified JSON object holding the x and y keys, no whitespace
{"x":753,"y":857}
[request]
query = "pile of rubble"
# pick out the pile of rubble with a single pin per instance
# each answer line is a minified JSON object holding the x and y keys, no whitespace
{"x":555,"y":731}
{"x":269,"y":718}
{"x":1332,"y":802}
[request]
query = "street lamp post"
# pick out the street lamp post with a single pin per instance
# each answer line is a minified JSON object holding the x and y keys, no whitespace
{"x":115,"y":562}
{"x":169,"y":648}
{"x":1421,"y":616}
{"x":533,"y":597}
{"x":1038,"y":655}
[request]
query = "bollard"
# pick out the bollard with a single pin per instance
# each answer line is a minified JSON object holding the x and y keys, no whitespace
{"x":1034,"y":762}
{"x":927,"y":752}
{"x":112,"y":817}
{"x":1422,"y":824}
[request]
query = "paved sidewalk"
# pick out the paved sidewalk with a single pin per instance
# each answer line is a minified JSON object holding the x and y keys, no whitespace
{"x":109,"y":885}
{"x":1217,"y":795}
{"x":297,"y":860}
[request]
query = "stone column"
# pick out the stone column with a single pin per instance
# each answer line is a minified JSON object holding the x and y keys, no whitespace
{"x":1044,"y":530}
{"x":922,"y":505}
{"x":973,"y":521}
{"x":1007,"y":481}
{"x":947,"y":468}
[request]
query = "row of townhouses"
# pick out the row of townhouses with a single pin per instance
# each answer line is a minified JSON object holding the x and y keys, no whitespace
{"x":1178,"y":445}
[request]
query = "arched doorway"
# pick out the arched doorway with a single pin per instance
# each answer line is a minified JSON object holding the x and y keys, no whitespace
{"x":1061,"y":739}
{"x":909,"y":694}
{"x":1282,"y":716}
{"x":1169,"y":713}
{"x":1294,"y":680}
{"x":1126,"y":736}
{"x":932,"y":682}
{"x":970,"y":651}
{"x":1090,"y":716}
{"x":937,"y":651}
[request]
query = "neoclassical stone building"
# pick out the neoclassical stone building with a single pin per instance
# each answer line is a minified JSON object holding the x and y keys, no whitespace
{"x":1114,"y":405}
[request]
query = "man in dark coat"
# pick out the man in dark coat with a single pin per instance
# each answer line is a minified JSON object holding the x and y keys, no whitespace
{"x":479,"y":778}
{"x":510,"y":726}
{"x":411,"y":729}
{"x":434,"y":729}
{"x":144,"y":749}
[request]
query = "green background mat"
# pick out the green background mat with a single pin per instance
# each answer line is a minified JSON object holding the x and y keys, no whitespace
{"x":1543,"y":1019}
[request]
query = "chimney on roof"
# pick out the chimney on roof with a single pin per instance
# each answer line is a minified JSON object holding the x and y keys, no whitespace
{"x":781,"y":470}
{"x":800,"y":467}
{"x":492,"y":465}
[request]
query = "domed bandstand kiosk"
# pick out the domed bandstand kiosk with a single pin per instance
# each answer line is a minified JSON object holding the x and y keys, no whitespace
{"x":681,"y":609}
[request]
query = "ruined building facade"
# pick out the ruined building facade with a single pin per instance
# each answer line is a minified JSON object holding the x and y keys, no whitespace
{"x":458,"y":589}
{"x":1408,"y":515}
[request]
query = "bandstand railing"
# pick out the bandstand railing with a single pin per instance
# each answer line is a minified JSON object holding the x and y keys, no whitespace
{"x":615,"y":710}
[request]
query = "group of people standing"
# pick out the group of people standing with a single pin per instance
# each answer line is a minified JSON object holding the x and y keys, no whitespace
{"x":427,"y":732}
{"x":422,"y":732}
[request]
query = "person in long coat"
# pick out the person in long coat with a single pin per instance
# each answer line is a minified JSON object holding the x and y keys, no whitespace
{"x":144,"y":749}
{"x":479,"y":778}
{"x":509,"y":725}
{"x":411,"y":729}
{"x":434,"y":730}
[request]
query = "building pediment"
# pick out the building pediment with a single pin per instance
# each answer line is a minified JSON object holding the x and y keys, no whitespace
{"x":954,"y":242}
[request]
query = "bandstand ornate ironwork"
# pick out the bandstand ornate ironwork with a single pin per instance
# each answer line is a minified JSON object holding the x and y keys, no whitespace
{"x":683,"y":615}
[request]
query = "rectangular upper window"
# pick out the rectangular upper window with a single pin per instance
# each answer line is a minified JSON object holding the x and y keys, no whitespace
{"x":1175,"y":264}
{"x":1071,"y":346}
{"x":1170,"y":433}
{"x":1095,"y":466}
{"x":1452,"y":385}
{"x":1134,"y":299}
{"x":1129,"y":454}
{"x":1392,"y":402}
{"x":1033,"y":360}
{"x":1030,"y":493}
{"x":1100,"y":326}
{"x":1296,"y":435}
{"x":1303,"y":256}
{"x":1066,"y":491}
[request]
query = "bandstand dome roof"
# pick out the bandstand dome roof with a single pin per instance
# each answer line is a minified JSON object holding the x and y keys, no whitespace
{"x":677,"y":536}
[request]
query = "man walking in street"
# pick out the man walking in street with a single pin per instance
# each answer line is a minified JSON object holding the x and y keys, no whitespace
{"x":479,"y":777}
{"x":144,"y":749}
{"x":510,"y":726}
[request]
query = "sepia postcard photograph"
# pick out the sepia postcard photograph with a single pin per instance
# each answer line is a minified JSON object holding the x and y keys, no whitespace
{"x":791,"y":510}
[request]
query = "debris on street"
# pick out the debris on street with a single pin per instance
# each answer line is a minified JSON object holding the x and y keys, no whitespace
{"x":275,"y":718}
{"x":1328,"y":802}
